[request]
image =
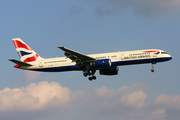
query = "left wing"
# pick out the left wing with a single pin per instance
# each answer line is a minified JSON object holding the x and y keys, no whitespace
{"x":77,"y":57}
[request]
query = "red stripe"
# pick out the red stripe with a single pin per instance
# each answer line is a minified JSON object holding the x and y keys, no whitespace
{"x":31,"y":59}
{"x":19,"y":44}
{"x":150,"y":51}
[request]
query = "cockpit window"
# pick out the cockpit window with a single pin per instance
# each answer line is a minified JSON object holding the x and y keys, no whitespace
{"x":163,"y":53}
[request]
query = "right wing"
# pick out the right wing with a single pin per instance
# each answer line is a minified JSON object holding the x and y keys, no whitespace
{"x":19,"y":62}
{"x":77,"y":57}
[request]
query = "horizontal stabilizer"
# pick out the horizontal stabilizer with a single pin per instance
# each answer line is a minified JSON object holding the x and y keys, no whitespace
{"x":19,"y":62}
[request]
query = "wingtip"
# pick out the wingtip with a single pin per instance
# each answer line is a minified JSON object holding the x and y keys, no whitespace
{"x":60,"y":47}
{"x":10,"y":59}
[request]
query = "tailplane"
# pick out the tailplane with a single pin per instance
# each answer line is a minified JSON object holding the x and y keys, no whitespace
{"x":26,"y":54}
{"x":20,"y":63}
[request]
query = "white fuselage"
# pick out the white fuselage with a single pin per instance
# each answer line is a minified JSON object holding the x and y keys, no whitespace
{"x":117,"y":58}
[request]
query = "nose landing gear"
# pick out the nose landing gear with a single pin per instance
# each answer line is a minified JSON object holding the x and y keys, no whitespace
{"x":152,"y":70}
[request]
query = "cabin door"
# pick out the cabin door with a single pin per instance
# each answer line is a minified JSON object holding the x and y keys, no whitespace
{"x":41,"y":64}
{"x":122,"y":55}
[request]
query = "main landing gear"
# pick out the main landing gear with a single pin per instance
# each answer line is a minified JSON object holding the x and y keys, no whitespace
{"x":152,"y":70}
{"x":88,"y":73}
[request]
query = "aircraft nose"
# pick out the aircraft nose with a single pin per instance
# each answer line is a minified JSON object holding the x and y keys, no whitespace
{"x":170,"y":57}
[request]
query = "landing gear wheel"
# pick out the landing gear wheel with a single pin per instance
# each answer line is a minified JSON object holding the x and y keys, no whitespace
{"x":90,"y":78}
{"x":85,"y":74}
{"x":94,"y":77}
{"x":152,"y":70}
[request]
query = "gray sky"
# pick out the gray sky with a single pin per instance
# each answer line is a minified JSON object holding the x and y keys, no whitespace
{"x":90,"y":26}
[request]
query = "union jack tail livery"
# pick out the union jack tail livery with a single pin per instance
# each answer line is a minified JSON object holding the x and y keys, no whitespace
{"x":26,"y":54}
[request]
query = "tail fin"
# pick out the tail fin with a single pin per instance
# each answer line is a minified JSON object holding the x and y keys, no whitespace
{"x":26,"y":54}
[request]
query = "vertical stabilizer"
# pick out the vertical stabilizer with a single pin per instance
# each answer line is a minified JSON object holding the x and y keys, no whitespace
{"x":26,"y":54}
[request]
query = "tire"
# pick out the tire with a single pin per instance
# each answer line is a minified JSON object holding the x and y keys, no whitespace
{"x":85,"y":74}
{"x":94,"y":77}
{"x":90,"y":78}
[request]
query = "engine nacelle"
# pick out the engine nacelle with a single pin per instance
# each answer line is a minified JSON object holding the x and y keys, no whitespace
{"x":109,"y":71}
{"x":104,"y":63}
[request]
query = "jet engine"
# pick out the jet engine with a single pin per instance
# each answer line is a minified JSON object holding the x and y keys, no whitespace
{"x":109,"y":71}
{"x":104,"y":63}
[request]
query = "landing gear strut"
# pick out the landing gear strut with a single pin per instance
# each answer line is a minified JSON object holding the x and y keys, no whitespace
{"x":152,"y":70}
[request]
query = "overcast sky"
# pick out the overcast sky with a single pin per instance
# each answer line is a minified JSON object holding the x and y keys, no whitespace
{"x":90,"y":26}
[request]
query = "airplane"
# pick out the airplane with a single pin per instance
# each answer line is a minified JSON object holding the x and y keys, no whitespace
{"x":106,"y":63}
